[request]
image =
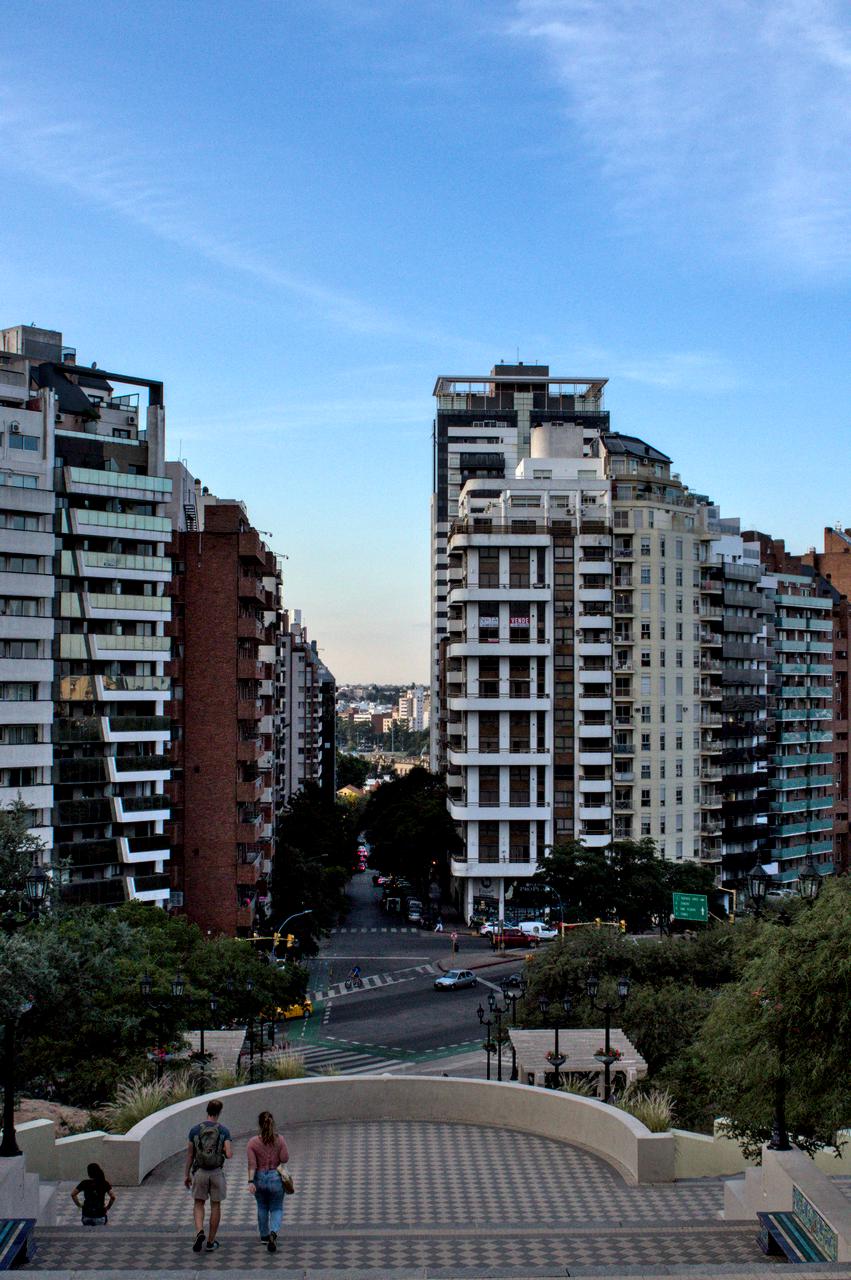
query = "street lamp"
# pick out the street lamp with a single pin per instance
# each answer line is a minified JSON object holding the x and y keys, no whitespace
{"x":36,"y":885}
{"x":512,"y":995}
{"x":607,"y":1008}
{"x":557,"y":1059}
{"x":758,"y":881}
{"x":159,"y":1004}
{"x":809,"y":881}
{"x":487,"y":1023}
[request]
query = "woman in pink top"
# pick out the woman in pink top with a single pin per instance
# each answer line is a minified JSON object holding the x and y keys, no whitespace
{"x":265,"y":1152}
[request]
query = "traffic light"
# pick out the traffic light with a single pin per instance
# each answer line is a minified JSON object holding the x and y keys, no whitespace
{"x":623,"y":926}
{"x":276,"y":938}
{"x":597,"y":921}
{"x":290,"y":941}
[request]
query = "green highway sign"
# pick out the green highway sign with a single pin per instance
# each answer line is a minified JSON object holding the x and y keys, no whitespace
{"x":691,"y":906}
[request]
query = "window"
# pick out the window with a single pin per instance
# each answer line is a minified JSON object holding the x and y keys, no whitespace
{"x":661,"y":768}
{"x":696,"y":739}
{"x":662,"y":689}
{"x":19,"y":564}
{"x":678,"y":743}
{"x":679,"y":713}
{"x":19,"y":481}
{"x":13,"y":691}
{"x":662,"y":575}
{"x":645,"y":715}
{"x":651,"y":519}
{"x":678,"y":764}
{"x":621,"y":519}
{"x":695,"y":685}
{"x":12,"y":607}
{"x":661,"y":742}
{"x":678,"y":578}
{"x":661,"y":546}
{"x":645,"y":601}
{"x":645,"y":631}
{"x":678,"y":548}
{"x":19,"y":441}
{"x":662,"y":796}
{"x":678,"y":796}
{"x":645,"y":686}
{"x":645,"y":826}
{"x":645,"y":546}
{"x":645,"y":771}
{"x":645,"y":742}
{"x":679,"y":686}
{"x":679,"y":604}
{"x":661,"y":826}
{"x":678,"y":658}
{"x":19,"y":648}
{"x":679,"y":848}
{"x":16,"y":520}
{"x":645,"y":657}
{"x":645,"y":575}
{"x":678,"y":822}
{"x":662,"y":629}
{"x":645,"y":797}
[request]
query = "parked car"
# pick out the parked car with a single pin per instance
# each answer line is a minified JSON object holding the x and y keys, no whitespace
{"x":415,"y":910}
{"x":511,"y":937}
{"x":487,"y":928}
{"x":537,"y":928}
{"x":455,"y":979}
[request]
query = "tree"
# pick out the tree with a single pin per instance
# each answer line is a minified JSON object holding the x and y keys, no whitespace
{"x":351,"y":769}
{"x":19,"y":851}
{"x":787,"y":1017}
{"x":580,"y":878}
{"x":409,"y":828}
{"x":89,"y":1026}
{"x":315,"y":855}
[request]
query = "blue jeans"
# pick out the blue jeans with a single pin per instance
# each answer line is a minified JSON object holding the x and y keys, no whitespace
{"x":270,"y":1200}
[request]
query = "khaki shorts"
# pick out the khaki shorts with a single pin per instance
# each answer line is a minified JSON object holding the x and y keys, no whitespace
{"x":209,"y":1183}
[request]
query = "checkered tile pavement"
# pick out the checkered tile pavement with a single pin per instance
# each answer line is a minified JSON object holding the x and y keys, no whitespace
{"x":384,"y":1195}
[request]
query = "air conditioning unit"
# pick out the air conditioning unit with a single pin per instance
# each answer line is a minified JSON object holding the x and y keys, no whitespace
{"x":131,"y":419}
{"x":15,"y":428}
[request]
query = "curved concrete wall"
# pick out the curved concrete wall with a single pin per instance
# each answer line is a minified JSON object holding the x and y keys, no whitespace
{"x":626,"y":1144}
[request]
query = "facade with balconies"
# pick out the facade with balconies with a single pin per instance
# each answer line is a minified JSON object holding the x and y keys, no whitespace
{"x":84,"y":488}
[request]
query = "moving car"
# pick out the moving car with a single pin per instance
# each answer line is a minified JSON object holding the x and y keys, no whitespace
{"x":454,"y":979}
{"x":488,"y":928}
{"x":511,"y":937}
{"x":301,"y":1009}
{"x":415,"y":910}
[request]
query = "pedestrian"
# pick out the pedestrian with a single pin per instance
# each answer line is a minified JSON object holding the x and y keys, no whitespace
{"x":98,"y":1197}
{"x":438,"y":928}
{"x":204,"y":1174}
{"x":266,"y":1153}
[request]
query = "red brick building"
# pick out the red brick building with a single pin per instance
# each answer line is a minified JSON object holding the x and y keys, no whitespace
{"x":226,"y":608}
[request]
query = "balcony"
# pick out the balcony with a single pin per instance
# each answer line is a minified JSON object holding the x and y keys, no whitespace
{"x":249,"y":750}
{"x":250,"y":628}
{"x":247,"y":792}
{"x":250,"y":709}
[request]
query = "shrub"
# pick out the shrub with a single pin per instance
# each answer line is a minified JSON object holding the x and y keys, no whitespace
{"x":578,"y":1084}
{"x":228,"y":1078}
{"x":287,"y":1066}
{"x":329,"y":1070}
{"x":135,"y":1099}
{"x":654,"y":1108}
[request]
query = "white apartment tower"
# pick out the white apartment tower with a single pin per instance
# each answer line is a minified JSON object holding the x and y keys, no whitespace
{"x":579,"y":679}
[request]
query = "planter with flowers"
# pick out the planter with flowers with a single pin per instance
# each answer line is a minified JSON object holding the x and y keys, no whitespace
{"x":607,"y":1059}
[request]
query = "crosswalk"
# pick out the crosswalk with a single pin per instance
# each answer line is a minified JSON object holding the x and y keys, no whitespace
{"x":380,"y":929}
{"x":373,"y":980}
{"x":325,"y":1060}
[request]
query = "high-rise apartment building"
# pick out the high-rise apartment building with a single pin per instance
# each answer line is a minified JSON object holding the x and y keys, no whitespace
{"x":604,"y":669}
{"x":93,"y":619}
{"x":807,"y":622}
{"x":226,"y":596}
{"x":482,"y":428}
{"x":306,"y":744}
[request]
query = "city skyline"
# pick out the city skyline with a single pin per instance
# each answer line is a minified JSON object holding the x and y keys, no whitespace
{"x":299,"y":238}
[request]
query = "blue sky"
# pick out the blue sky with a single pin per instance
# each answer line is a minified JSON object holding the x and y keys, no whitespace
{"x":299,"y":213}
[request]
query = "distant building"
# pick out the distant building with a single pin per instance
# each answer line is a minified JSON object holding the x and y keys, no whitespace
{"x":306,"y":697}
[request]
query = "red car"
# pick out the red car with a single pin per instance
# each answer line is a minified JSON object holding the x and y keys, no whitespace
{"x":513,"y":938}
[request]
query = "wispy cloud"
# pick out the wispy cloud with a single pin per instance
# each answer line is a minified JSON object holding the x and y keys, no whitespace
{"x":695,"y":372}
{"x":730,"y":119}
{"x":78,"y":158}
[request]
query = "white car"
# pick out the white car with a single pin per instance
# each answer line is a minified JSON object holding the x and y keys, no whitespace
{"x":537,"y":929}
{"x":489,"y":928}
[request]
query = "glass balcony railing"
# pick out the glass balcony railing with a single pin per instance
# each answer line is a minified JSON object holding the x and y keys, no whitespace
{"x":147,"y":604}
{"x":112,"y":560}
{"x":117,"y":520}
{"x":160,"y":644}
{"x":120,"y":480}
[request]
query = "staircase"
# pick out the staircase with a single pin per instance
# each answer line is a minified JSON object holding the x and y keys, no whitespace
{"x":694,"y":1249}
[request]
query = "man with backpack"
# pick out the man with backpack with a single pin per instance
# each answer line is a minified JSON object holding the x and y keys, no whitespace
{"x":209,"y":1147}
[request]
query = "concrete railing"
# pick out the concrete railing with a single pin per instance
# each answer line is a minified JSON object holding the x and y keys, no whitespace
{"x":639,"y":1155}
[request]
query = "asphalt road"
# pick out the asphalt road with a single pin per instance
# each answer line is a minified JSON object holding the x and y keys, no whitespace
{"x":398,"y":1010}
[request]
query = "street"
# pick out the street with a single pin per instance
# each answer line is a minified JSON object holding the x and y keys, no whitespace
{"x":398,"y":1016}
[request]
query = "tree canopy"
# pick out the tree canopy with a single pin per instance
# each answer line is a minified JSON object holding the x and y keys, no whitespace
{"x":409,"y":828}
{"x":88,"y":1026}
{"x":315,"y":854}
{"x":627,"y":880}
